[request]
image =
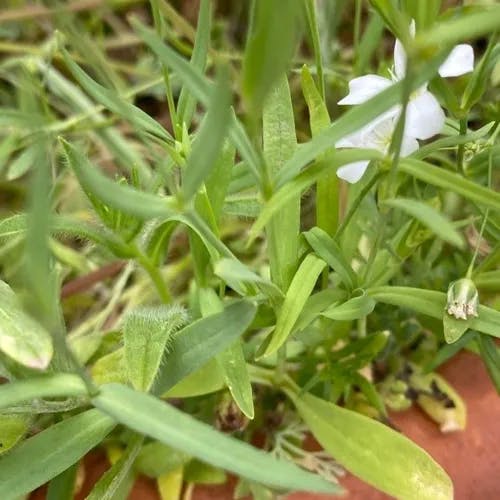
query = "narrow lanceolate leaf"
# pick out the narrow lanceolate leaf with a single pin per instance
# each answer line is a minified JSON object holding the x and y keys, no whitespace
{"x":429,"y":217}
{"x":123,"y":198}
{"x":200,"y":87}
{"x":187,"y":102}
{"x":21,"y":337}
{"x":197,"y":343}
{"x":115,"y":103}
{"x":295,"y":298}
{"x":148,"y":415}
{"x":330,"y":252}
{"x":442,"y":178}
{"x":279,"y":143}
{"x":433,"y":304}
{"x":13,"y":428}
{"x":355,"y":308}
{"x":210,"y":137}
{"x":47,"y":454}
{"x":374,"y":452}
{"x":47,"y":386}
{"x":269,"y":50}
{"x":147,"y":335}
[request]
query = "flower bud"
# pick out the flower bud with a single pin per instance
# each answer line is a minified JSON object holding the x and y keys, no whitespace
{"x":463,"y":299}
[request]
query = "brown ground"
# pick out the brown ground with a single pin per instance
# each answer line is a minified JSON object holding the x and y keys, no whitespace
{"x":471,"y":458}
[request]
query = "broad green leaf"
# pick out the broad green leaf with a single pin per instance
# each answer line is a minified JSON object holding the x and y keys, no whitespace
{"x":269,"y":50}
{"x":326,"y":248}
{"x":148,"y":415}
{"x":433,"y":304}
{"x":355,"y":308}
{"x":47,"y":454}
{"x":207,"y":379}
{"x":187,"y":102}
{"x":489,"y":280}
{"x":199,"y":87}
{"x":429,"y":217}
{"x":46,"y":386}
{"x":115,"y":103}
{"x":198,"y":472}
{"x":485,"y":19}
{"x":13,"y":428}
{"x":296,"y":296}
{"x":119,"y":474}
{"x":123,"y":198}
{"x":156,"y":459}
{"x":279,"y":143}
{"x":374,"y":452}
{"x":449,"y":180}
{"x":21,"y":337}
{"x":232,"y":359}
{"x":209,"y":138}
{"x":147,"y":335}
{"x":200,"y":341}
{"x":294,"y":187}
{"x":110,"y":368}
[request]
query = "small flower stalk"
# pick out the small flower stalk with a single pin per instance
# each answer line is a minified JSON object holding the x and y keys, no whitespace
{"x":463,"y":299}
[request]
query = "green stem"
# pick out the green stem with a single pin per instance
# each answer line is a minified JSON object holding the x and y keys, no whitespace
{"x":461,"y":147}
{"x":155,"y":275}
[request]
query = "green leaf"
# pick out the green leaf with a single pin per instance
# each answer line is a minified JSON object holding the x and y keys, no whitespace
{"x":355,"y":308}
{"x":296,"y":296}
{"x":200,"y":87}
{"x":491,"y":357}
{"x":156,"y":459}
{"x":429,"y":217}
{"x":453,"y":328}
{"x":13,"y":428}
{"x":22,"y":163}
{"x":47,"y":454}
{"x":147,"y":335}
{"x":374,"y":452}
{"x":330,"y":252}
{"x":187,"y":102}
{"x":209,"y":138}
{"x":449,"y":180}
{"x":120,"y":197}
{"x":62,"y":487}
{"x":269,"y":50}
{"x":46,"y":386}
{"x":485,"y":19}
{"x":157,"y":419}
{"x":197,"y":343}
{"x":279,"y":144}
{"x":21,"y":337}
{"x":448,"y":351}
{"x":115,"y":103}
{"x":118,"y":476}
{"x":294,"y":187}
{"x":432,"y":304}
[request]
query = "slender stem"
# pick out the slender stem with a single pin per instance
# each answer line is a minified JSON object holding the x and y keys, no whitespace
{"x":155,"y":275}
{"x":461,"y":147}
{"x":315,"y":38}
{"x":356,"y":203}
{"x":357,"y":27}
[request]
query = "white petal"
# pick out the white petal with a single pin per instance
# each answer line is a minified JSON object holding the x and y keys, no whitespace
{"x":352,"y":172}
{"x":459,"y":62}
{"x":409,"y":145}
{"x":424,"y":116}
{"x":364,"y":87}
{"x":399,"y":60}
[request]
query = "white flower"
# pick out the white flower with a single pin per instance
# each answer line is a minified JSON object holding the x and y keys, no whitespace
{"x":424,"y":116}
{"x":376,"y":135}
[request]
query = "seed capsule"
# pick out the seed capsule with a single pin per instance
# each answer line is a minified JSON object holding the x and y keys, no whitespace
{"x":463,"y":299}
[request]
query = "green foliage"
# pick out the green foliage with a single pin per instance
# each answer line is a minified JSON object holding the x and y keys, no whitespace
{"x":185,"y":253}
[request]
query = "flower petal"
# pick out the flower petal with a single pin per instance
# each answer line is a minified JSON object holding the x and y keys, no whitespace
{"x":459,"y":62}
{"x":364,"y":87}
{"x":352,"y":172}
{"x":424,"y":116}
{"x":409,"y":145}
{"x":399,"y":60}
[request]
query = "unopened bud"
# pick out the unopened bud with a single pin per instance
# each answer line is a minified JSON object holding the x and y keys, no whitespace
{"x":463,"y":299}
